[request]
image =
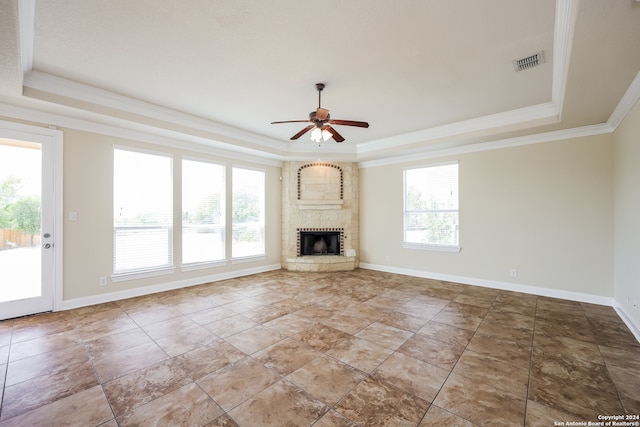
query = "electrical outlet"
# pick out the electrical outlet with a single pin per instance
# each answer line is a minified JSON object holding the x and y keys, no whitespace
{"x":514,"y":272}
{"x":103,"y":281}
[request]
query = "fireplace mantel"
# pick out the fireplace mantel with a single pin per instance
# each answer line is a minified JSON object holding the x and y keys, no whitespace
{"x":320,"y":204}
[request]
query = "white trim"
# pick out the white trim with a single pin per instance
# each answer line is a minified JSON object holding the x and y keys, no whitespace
{"x":533,"y":113}
{"x":71,"y":89}
{"x":429,"y":247}
{"x":626,"y":103}
{"x":628,"y":320}
{"x":203,"y":265}
{"x":562,"y":42}
{"x":162,"y":287}
{"x":26,"y":30}
{"x":518,"y":141}
{"x":246,"y":259}
{"x":19,"y":131}
{"x":144,"y":133}
{"x":141,"y":274}
{"x":514,"y":287}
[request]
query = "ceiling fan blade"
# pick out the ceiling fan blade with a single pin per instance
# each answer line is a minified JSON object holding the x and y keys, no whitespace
{"x":334,"y":133}
{"x":302,"y":132}
{"x":322,"y":113}
{"x":349,"y":123}
{"x":290,"y":121}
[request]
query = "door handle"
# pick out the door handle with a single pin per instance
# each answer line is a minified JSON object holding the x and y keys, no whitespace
{"x":46,"y":245}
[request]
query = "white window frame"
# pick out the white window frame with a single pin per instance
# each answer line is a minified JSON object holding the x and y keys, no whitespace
{"x":123,"y":275}
{"x":427,"y":246}
{"x":190,"y":266}
{"x":256,"y":257}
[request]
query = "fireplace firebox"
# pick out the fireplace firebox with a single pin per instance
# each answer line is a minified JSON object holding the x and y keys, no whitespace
{"x":320,"y":241}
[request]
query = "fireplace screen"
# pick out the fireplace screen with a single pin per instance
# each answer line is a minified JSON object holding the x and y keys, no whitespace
{"x":319,"y":242}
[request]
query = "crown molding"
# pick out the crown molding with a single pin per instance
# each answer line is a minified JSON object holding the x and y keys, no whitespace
{"x":493,"y":145}
{"x":547,"y":112}
{"x":566,"y":11}
{"x":628,"y":100}
{"x":143,"y":133}
{"x":77,"y":91}
{"x":26,"y":28}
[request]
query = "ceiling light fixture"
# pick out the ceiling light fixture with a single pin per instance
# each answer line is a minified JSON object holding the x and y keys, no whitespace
{"x":320,"y":134}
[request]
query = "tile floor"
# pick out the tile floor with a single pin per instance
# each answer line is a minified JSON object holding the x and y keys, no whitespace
{"x":359,"y":348}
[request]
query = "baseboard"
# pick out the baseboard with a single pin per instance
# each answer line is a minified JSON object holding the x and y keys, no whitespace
{"x":162,"y":287}
{"x":506,"y":286}
{"x":633,"y":326}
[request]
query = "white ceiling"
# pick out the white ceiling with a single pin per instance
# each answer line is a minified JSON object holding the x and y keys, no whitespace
{"x":427,"y":75}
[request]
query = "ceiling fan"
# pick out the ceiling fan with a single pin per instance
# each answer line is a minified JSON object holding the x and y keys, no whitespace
{"x":322,"y":121}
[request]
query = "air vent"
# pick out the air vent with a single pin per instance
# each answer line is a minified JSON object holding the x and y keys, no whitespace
{"x":529,"y":62}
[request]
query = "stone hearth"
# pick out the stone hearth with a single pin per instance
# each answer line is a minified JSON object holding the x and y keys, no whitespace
{"x":321,"y":196}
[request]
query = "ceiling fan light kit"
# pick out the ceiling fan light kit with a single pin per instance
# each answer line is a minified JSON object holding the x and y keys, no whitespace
{"x":321,"y":123}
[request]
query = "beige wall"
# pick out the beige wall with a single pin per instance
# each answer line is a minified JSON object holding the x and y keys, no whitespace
{"x":544,"y":209}
{"x":88,"y":242}
{"x":627,"y":215}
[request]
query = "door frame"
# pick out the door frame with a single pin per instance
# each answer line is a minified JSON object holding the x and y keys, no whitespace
{"x":53,"y":138}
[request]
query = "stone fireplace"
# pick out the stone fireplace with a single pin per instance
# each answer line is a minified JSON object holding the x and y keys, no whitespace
{"x":320,"y":216}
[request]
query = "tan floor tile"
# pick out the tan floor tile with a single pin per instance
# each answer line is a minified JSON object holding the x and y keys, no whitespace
{"x":509,"y":351}
{"x":45,"y":344}
{"x":187,"y":340}
{"x":334,"y":419}
{"x":345,"y":323}
{"x":231,"y":325}
{"x":286,"y":356}
{"x":583,"y":359}
{"x":326,"y":379}
{"x":188,"y":406}
{"x":439,"y":417}
{"x":412,"y":375}
{"x":85,"y":408}
{"x":377,"y":403}
{"x":493,"y":372}
{"x":207,"y":359}
{"x":407,"y":322}
{"x":168,"y":327}
{"x":577,"y":399}
{"x":290,"y":324}
{"x":447,"y":334}
{"x":107,"y":327}
{"x":210,"y":315}
{"x":233,"y":384}
{"x":431,"y":351}
{"x":114,"y":365}
{"x":42,"y":390}
{"x":384,"y":335}
{"x":480,"y":403}
{"x":359,"y":353}
{"x":279,"y":405}
{"x":254,"y":339}
{"x":321,"y":337}
{"x":45,"y":363}
{"x":143,"y":386}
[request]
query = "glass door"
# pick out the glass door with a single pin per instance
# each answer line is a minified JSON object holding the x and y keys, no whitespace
{"x":26,"y":227}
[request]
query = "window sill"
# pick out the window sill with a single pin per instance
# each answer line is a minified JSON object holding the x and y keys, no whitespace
{"x":202,"y":265}
{"x":427,"y":247}
{"x":141,"y":274}
{"x":251,"y":258}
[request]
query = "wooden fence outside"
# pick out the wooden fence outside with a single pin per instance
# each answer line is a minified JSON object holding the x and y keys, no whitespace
{"x":10,"y":238}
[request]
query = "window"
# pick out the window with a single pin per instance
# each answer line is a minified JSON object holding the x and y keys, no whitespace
{"x":248,"y":213}
{"x":431,"y":207}
{"x":203,"y":201}
{"x":142,"y":212}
